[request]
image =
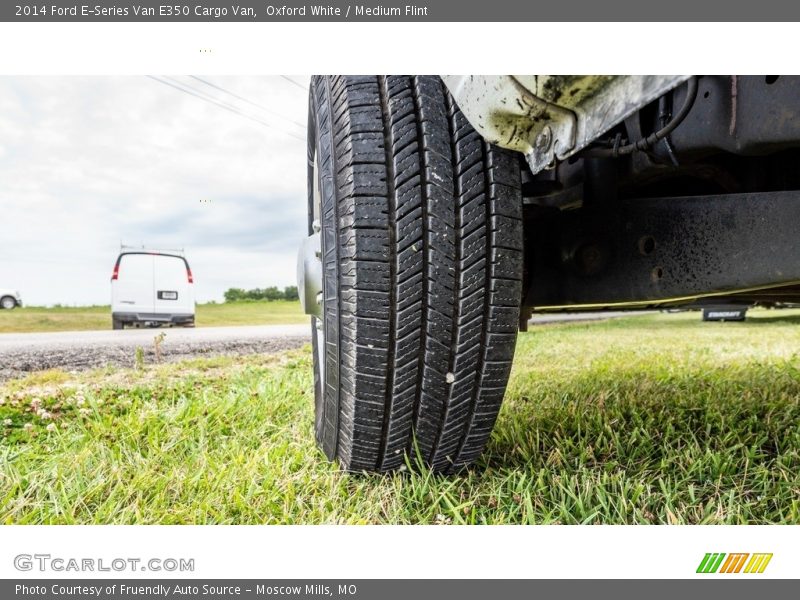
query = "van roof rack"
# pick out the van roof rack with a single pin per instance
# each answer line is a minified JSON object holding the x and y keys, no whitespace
{"x":143,"y":248}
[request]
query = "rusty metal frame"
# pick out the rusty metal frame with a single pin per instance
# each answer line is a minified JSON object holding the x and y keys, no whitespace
{"x":653,"y":252}
{"x":551,"y":117}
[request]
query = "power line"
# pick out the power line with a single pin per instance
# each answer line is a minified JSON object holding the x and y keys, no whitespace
{"x":243,"y":99}
{"x":224,"y":105}
{"x":230,"y":107}
{"x":290,"y":80}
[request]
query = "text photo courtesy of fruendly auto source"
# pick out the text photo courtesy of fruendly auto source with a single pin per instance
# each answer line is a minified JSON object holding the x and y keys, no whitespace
{"x":399,"y":299}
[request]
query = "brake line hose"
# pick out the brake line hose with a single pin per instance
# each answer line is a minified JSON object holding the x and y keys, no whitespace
{"x":655,"y":137}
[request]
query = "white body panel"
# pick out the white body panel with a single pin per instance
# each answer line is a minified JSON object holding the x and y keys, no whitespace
{"x":133,"y":289}
{"x":172,"y":292}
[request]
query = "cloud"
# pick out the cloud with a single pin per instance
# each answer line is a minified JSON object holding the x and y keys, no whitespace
{"x":87,"y":163}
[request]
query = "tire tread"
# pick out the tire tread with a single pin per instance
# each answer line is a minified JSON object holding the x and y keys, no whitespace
{"x":428,"y":236}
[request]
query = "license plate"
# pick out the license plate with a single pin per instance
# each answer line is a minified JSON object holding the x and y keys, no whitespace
{"x":167,"y":295}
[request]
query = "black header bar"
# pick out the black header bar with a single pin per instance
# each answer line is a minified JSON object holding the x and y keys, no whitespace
{"x":534,"y":11}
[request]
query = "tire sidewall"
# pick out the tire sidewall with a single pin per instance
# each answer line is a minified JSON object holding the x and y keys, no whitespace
{"x":326,"y":397}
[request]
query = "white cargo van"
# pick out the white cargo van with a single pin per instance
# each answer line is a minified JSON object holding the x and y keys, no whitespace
{"x":152,"y":288}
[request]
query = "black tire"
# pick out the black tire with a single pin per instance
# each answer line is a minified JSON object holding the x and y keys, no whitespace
{"x":422,"y":265}
{"x":8,"y":302}
{"x":117,"y":324}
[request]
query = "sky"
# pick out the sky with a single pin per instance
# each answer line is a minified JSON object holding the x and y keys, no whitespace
{"x":88,"y":163}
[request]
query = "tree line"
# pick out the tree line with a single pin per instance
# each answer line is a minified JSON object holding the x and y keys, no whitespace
{"x":268,"y":293}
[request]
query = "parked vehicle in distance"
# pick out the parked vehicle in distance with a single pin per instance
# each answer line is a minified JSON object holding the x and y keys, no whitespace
{"x":151,"y":288}
{"x":9,"y":299}
{"x":725,"y":312}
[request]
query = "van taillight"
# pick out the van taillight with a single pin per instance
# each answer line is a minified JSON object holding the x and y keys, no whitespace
{"x":189,"y":275}
{"x":115,"y":274}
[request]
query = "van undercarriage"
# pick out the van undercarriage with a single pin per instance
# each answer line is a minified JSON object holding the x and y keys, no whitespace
{"x":708,"y":211}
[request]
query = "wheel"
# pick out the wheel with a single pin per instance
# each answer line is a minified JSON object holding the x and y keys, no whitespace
{"x":412,"y":273}
{"x":8,"y":302}
{"x":117,"y":324}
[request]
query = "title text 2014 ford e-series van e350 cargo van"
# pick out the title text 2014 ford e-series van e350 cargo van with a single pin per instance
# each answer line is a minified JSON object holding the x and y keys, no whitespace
{"x":152,"y":288}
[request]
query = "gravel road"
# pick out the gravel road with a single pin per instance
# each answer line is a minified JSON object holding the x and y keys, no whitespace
{"x":22,"y":353}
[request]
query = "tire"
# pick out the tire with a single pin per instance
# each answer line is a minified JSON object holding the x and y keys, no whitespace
{"x":421,"y":251}
{"x":8,"y":302}
{"x":117,"y":324}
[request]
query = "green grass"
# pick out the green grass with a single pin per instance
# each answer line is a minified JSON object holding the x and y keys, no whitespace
{"x":650,"y":419}
{"x":37,"y":318}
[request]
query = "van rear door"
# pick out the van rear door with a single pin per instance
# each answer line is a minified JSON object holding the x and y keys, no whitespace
{"x":133,"y":289}
{"x":172,"y":292}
